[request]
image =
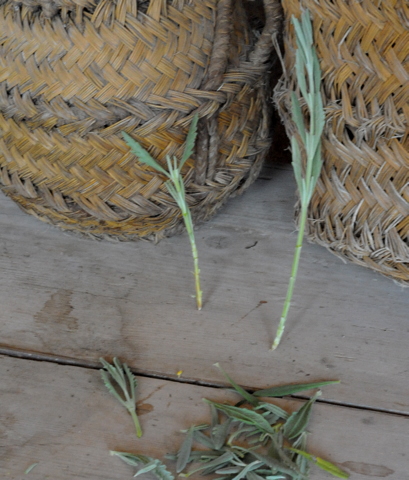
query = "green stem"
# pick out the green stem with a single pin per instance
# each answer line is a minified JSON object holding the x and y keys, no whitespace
{"x":196,"y":271}
{"x":136,"y":422}
{"x":294,"y":270}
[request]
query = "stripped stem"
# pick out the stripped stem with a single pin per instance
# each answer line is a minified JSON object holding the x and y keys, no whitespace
{"x":135,"y":419}
{"x":196,"y":270}
{"x":291,"y":283}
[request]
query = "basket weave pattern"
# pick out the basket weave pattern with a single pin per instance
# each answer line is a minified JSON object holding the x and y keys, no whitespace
{"x":360,"y":208}
{"x":74,"y":74}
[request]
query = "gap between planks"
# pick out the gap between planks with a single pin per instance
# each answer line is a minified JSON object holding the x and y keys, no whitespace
{"x":73,"y":362}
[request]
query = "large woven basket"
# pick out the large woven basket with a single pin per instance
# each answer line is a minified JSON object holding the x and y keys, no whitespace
{"x":75,"y":73}
{"x":360,"y":208}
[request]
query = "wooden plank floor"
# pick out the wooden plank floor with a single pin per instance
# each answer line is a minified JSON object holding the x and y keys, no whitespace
{"x":62,"y":418}
{"x":68,"y":301}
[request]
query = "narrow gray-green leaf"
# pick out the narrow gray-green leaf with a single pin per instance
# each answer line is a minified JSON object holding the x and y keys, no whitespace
{"x":317,"y":71}
{"x":298,"y":421}
{"x":246,"y":416}
{"x":214,"y":464}
{"x":31,"y":467}
{"x":171,"y":170}
{"x":297,"y":115}
{"x":214,"y":414}
{"x":190,"y":141}
{"x":319,"y":113}
{"x":228,"y":470}
{"x":254,"y":476}
{"x":162,"y":473}
{"x":219,"y":434}
{"x":302,"y":45}
{"x":276,"y":465}
{"x":250,"y":430}
{"x":147,"y":468}
{"x":203,"y":440}
{"x":307,"y":28}
{"x":119,"y":368}
{"x":246,"y":395}
{"x":133,"y":382}
{"x":315,"y":143}
{"x":184,"y":451}
{"x":270,"y":407}
{"x":204,"y":456}
{"x":277,"y":451}
{"x":172,"y":190}
{"x":142,"y":154}
{"x":300,"y":73}
{"x":171,"y":456}
{"x":284,"y":390}
{"x":131,"y":458}
{"x":303,"y":465}
{"x":112,"y":370}
{"x":271,"y":418}
{"x":301,"y":441}
{"x":248,"y":468}
{"x":110,"y":387}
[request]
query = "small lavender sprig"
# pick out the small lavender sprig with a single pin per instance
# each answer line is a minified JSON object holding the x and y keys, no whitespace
{"x":118,"y":377}
{"x":306,"y":65}
{"x":176,"y":188}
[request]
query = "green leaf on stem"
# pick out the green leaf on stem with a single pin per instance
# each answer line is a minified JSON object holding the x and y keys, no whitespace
{"x":244,"y":415}
{"x":246,"y":395}
{"x":283,"y":390}
{"x":183,"y":454}
{"x":190,"y":141}
{"x":142,"y":154}
{"x":298,"y":421}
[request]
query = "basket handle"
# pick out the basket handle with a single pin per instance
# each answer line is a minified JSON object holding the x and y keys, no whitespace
{"x":264,"y":46}
{"x":219,"y":55}
{"x":262,"y":49}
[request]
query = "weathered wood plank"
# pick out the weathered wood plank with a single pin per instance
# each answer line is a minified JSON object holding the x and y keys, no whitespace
{"x":64,"y":419}
{"x":74,"y":297}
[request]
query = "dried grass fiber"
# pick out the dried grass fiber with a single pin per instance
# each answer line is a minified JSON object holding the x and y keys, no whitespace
{"x":360,"y":209}
{"x":75,"y":73}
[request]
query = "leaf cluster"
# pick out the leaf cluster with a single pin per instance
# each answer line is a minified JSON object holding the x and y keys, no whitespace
{"x":253,"y":440}
{"x":308,"y":74}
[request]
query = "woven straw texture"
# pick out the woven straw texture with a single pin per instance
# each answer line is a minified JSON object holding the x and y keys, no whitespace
{"x":75,"y":73}
{"x":360,"y":208}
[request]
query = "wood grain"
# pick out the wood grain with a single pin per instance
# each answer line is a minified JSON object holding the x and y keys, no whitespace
{"x":73,"y":297}
{"x":63,"y":419}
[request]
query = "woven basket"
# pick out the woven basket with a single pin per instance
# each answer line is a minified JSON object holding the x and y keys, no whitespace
{"x":360,"y":208}
{"x":75,"y":73}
